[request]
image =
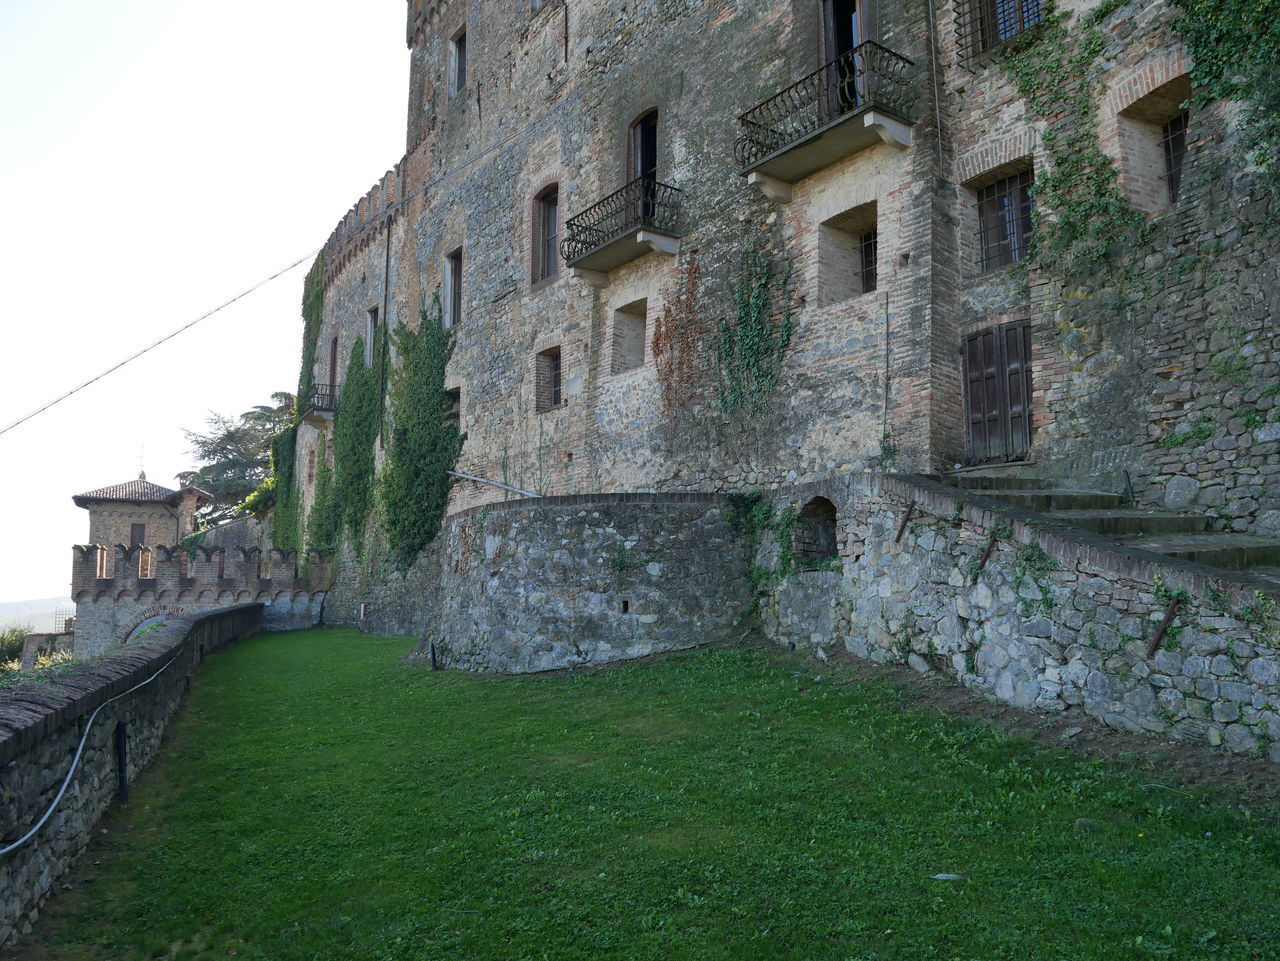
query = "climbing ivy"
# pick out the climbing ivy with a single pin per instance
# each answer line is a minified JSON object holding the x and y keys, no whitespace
{"x":424,"y":443}
{"x":1080,"y":209}
{"x":312,"y":318}
{"x":355,"y":431}
{"x":279,"y":493}
{"x":754,"y":340}
{"x":1235,"y":52}
{"x":324,"y":521}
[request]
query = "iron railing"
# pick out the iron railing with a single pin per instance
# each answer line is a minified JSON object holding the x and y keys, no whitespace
{"x":320,"y":397}
{"x":643,"y":204}
{"x":868,"y":76}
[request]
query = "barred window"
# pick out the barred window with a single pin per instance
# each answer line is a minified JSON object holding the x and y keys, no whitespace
{"x":453,"y":289}
{"x":548,"y":393}
{"x":990,"y":23}
{"x":546,"y":234}
{"x":1004,"y":220}
{"x":1174,"y":141}
{"x":458,"y":62}
{"x":868,"y":251}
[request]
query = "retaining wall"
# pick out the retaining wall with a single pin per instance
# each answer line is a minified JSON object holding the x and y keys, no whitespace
{"x":1057,"y":619}
{"x":40,"y":728}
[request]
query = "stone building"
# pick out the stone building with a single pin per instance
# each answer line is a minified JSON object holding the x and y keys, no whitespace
{"x":139,"y":513}
{"x":702,"y":246}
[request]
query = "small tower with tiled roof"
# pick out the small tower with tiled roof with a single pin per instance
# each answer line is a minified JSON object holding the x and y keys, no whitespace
{"x":139,"y":512}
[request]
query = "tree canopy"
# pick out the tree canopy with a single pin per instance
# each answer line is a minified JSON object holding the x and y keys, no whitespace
{"x":235,"y":454}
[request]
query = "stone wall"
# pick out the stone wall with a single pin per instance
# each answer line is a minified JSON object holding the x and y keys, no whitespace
{"x":538,"y":584}
{"x":1056,"y":619}
{"x":110,"y":609}
{"x":41,"y":725}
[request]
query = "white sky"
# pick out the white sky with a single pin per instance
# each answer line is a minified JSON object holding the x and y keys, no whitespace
{"x":156,"y":158}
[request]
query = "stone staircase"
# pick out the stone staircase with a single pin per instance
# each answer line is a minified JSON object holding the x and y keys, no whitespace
{"x":1182,"y":534}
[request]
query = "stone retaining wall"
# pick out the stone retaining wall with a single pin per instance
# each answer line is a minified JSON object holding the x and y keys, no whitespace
{"x":1058,"y":619}
{"x":41,"y":725}
{"x":533,"y":585}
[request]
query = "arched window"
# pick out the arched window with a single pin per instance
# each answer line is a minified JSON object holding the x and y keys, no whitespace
{"x":546,"y":234}
{"x":815,"y":537}
{"x":644,"y":146}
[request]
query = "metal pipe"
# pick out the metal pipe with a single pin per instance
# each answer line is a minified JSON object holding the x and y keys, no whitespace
{"x":492,"y":483}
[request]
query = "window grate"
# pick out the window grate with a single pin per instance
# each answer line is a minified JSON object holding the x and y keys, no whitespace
{"x":868,"y":251}
{"x":984,"y":24}
{"x":1004,"y":220}
{"x":1173,"y":140}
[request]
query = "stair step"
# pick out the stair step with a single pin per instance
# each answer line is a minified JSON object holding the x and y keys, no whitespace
{"x":1122,"y":521}
{"x":1268,"y":572}
{"x":1048,"y":500}
{"x":1228,"y":551}
{"x":989,"y":482}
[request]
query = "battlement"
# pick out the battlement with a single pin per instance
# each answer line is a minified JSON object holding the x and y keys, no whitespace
{"x":99,"y":572}
{"x":364,"y":221}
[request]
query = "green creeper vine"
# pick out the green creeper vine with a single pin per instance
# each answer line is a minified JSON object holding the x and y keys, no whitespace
{"x":753,"y":342}
{"x":355,"y":431}
{"x":285,"y":532}
{"x":324,"y":521}
{"x":1080,"y":209}
{"x":425,"y":444}
{"x":1235,"y":52}
{"x":312,"y":318}
{"x":752,"y":517}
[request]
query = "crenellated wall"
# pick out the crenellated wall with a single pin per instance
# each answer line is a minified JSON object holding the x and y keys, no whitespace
{"x":179,"y":582}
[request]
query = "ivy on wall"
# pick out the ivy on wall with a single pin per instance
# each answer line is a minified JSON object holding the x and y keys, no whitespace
{"x":1056,"y":70}
{"x":355,"y":431}
{"x":323,"y":522}
{"x":312,"y":318}
{"x":1235,"y":52}
{"x":284,"y":519}
{"x":754,"y":340}
{"x":425,"y":444}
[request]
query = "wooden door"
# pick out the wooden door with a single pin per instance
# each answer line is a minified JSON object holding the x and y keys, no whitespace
{"x":998,"y":393}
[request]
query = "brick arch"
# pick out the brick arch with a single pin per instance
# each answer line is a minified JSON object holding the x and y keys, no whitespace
{"x":1133,"y":83}
{"x":997,"y":152}
{"x":150,"y":613}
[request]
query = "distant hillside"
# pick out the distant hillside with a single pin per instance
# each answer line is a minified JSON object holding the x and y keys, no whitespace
{"x":38,"y":615}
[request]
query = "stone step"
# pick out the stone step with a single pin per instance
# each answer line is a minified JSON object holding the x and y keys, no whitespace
{"x":1268,"y":572}
{"x":990,"y":482}
{"x":1045,"y":501}
{"x":1121,"y":521}
{"x":1228,"y":551}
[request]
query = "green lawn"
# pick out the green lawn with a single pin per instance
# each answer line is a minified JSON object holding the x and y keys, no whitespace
{"x":320,"y":799}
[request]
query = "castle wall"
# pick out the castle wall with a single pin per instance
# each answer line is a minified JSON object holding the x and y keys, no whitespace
{"x":112,"y":524}
{"x":39,"y":734}
{"x":537,"y":585}
{"x":1054,"y":619}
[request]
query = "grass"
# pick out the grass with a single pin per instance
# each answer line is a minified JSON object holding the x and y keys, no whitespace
{"x":320,"y":799}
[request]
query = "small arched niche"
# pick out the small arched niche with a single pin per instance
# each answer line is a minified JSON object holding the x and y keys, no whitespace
{"x":815,"y":536}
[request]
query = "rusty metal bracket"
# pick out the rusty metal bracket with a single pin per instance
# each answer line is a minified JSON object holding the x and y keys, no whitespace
{"x":1153,"y":645}
{"x":906,"y":519}
{"x":986,"y":555}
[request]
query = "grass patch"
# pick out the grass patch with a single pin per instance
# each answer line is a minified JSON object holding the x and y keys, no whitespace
{"x":319,"y":799}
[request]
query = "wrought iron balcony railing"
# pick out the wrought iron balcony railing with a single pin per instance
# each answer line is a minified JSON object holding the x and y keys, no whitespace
{"x":643,"y":204}
{"x":319,"y":398}
{"x":867,"y":77}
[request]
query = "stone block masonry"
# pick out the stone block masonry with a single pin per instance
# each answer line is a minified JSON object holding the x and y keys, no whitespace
{"x":1053,"y":619}
{"x":559,"y":582}
{"x":41,"y":725}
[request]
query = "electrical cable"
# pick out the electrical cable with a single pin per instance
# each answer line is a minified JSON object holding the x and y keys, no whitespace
{"x":168,"y":337}
{"x":75,"y":762}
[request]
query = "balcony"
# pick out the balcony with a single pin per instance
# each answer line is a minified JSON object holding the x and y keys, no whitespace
{"x":643,"y":216}
{"x":319,"y":403}
{"x":863,"y":97}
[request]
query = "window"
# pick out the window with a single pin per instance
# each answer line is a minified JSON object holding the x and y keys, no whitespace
{"x":992,"y":22}
{"x":311,"y":466}
{"x":815,"y":536}
{"x":1173,"y":138}
{"x":546,"y":233}
{"x":453,"y":289}
{"x":1004,"y":220}
{"x":458,"y":62}
{"x":644,"y":146}
{"x":630,"y":332}
{"x":370,"y":334}
{"x":137,"y":535}
{"x":548,"y":388}
{"x":848,"y":250}
{"x":453,"y":406}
